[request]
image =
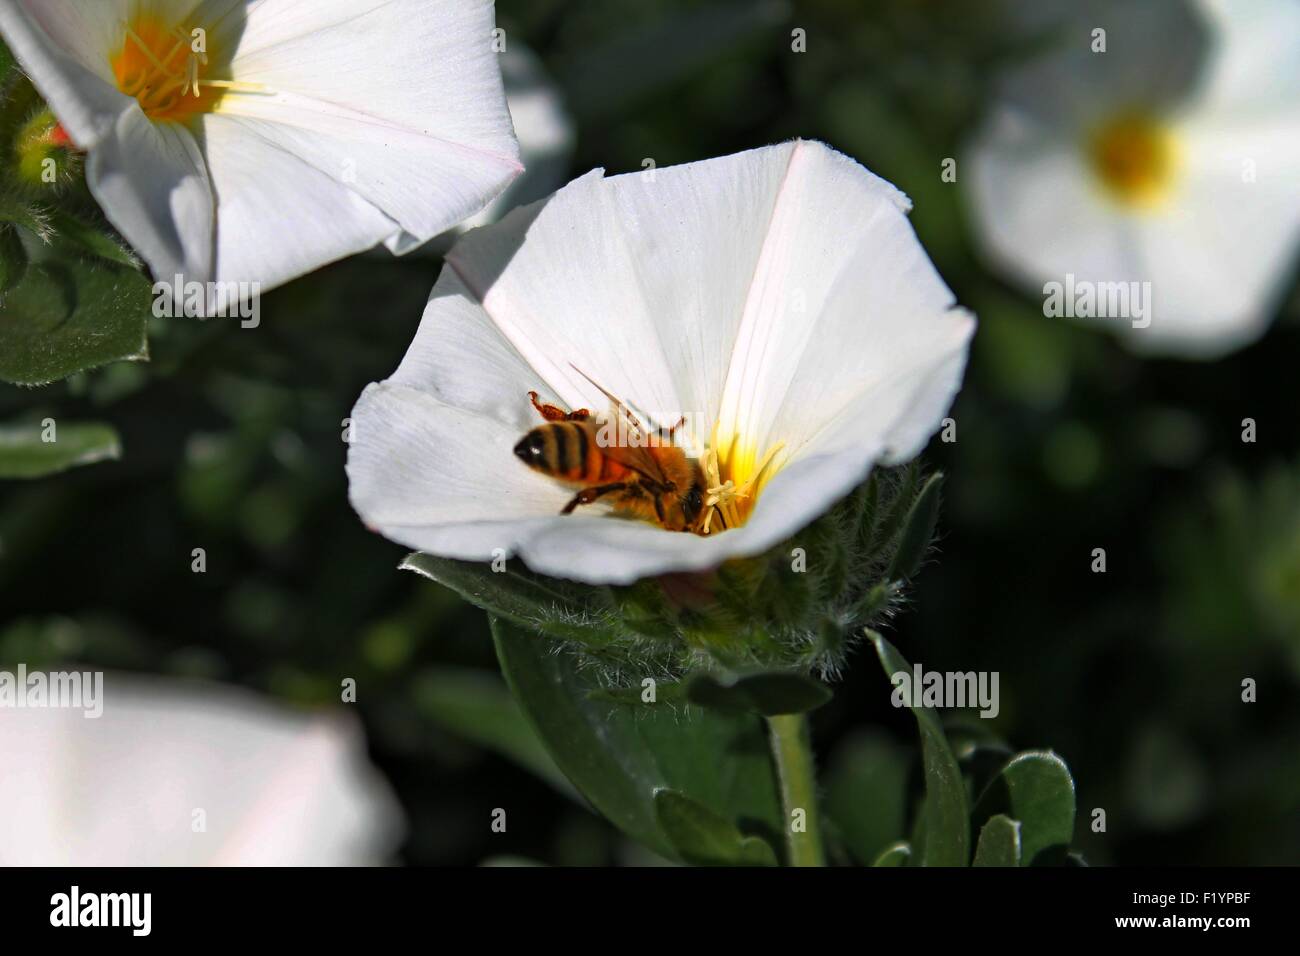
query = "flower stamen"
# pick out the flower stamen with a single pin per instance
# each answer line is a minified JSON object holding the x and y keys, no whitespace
{"x":166,"y":70}
{"x":724,"y":498}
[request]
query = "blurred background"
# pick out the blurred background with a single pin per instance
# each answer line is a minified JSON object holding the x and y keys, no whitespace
{"x":233,"y":442}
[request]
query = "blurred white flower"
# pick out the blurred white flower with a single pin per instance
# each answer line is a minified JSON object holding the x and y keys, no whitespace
{"x":778,"y":298}
{"x":181,"y":774}
{"x":1171,"y":158}
{"x":234,"y":141}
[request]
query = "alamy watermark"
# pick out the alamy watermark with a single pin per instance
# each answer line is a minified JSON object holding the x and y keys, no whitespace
{"x":209,"y":300}
{"x":73,"y":690}
{"x":133,"y":911}
{"x":921,"y":688}
{"x":1084,"y":299}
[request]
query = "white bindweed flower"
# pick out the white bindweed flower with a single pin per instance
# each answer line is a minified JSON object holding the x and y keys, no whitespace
{"x":777,"y":298}
{"x":178,"y":774}
{"x":238,"y":141}
{"x":1172,"y":158}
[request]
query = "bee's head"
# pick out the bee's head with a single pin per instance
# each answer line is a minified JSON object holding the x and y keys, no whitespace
{"x":692,"y":504}
{"x":531,"y":449}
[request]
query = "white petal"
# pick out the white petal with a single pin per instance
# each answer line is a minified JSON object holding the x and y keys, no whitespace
{"x":315,"y":219}
{"x":675,"y":291}
{"x":1257,"y":54}
{"x":65,"y":47}
{"x":417,"y":183}
{"x":275,"y":787}
{"x":400,"y":100}
{"x":152,"y":183}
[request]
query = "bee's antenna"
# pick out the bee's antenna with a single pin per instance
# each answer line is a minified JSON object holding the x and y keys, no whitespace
{"x":618,"y":403}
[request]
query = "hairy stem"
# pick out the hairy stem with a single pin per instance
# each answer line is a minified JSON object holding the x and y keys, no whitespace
{"x":792,"y":750}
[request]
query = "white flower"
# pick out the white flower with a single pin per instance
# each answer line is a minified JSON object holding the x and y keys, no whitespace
{"x":1171,"y":158}
{"x":180,"y":774}
{"x":253,"y":142}
{"x":778,"y":298}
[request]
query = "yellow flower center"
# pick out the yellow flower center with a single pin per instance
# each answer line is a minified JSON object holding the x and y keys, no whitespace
{"x":1135,"y":158}
{"x":169,"y":70}
{"x":734,"y":476}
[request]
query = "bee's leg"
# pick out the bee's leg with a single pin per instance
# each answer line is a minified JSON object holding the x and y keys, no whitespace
{"x":587,"y":495}
{"x":554,"y":413}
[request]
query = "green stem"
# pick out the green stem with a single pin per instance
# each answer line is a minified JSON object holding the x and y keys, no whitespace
{"x":792,"y":750}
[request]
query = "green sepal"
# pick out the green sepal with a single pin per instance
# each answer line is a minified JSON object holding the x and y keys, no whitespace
{"x":917,"y":532}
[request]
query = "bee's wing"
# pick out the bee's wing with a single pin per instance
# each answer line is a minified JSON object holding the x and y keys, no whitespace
{"x":632,"y":453}
{"x":635,"y":452}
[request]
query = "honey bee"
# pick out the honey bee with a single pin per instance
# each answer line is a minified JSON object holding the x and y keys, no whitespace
{"x":646,"y":477}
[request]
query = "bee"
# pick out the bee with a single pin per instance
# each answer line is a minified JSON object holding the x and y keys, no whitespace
{"x":646,"y":477}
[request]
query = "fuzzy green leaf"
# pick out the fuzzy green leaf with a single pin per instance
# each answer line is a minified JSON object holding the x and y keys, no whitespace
{"x":557,"y":608}
{"x":24,"y":453}
{"x":619,"y":758}
{"x":68,"y":316}
{"x":13,"y":259}
{"x":944,"y":825}
{"x":704,"y":838}
{"x":1035,"y":787}
{"x":85,"y":239}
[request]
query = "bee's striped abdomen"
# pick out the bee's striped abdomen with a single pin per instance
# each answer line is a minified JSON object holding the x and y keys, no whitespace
{"x":568,"y":451}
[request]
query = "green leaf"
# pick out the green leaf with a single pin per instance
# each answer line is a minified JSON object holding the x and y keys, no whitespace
{"x":1035,"y":787}
{"x":866,"y":793}
{"x":7,"y":63}
{"x":767,"y":692}
{"x":666,"y":692}
{"x":86,"y":239}
{"x":944,"y":825}
{"x":69,"y":316}
{"x":999,"y":843}
{"x":13,"y":259}
{"x":918,"y":531}
{"x":555,"y":607}
{"x":24,"y":453}
{"x":477,"y":705}
{"x":897,"y":854}
{"x":702,"y":837}
{"x":619,"y":758}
